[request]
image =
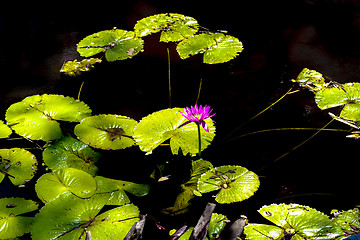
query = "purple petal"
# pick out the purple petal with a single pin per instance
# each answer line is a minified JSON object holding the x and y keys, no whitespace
{"x":187,"y":122}
{"x":204,"y":125}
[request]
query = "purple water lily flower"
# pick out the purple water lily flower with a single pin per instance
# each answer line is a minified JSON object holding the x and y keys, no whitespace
{"x":197,"y":114}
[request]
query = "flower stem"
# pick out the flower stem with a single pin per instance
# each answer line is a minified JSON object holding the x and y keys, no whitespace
{"x":199,"y":134}
{"x":169,"y":74}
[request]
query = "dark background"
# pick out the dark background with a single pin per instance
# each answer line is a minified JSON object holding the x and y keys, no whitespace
{"x":280,"y":38}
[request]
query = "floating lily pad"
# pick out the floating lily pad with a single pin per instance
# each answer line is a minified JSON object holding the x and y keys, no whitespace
{"x":75,"y":67}
{"x":19,"y":165}
{"x":311,"y":79}
{"x":5,"y":131}
{"x":293,"y":222}
{"x":136,"y":189}
{"x":216,"y":47}
{"x":11,"y":224}
{"x":117,"y":194}
{"x":36,"y":116}
{"x":117,"y":44}
{"x":160,"y":126}
{"x":347,"y":94}
{"x":106,"y":131}
{"x":235,"y":183}
{"x":71,"y":153}
{"x":174,"y":27}
{"x":348,"y":220}
{"x":70,"y":217}
{"x":51,"y":185}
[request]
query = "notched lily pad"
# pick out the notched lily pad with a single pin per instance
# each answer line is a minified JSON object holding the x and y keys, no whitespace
{"x":117,"y":44}
{"x":235,"y":183}
{"x":19,"y":165}
{"x":36,"y":116}
{"x":11,"y":224}
{"x":173,"y":27}
{"x":216,"y":47}
{"x":75,"y":67}
{"x":160,"y":126}
{"x":106,"y":131}
{"x":71,"y":153}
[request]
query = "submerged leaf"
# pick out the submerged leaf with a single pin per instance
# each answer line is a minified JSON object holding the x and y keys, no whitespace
{"x":347,"y":94}
{"x":12,"y":225}
{"x":106,"y":131}
{"x":36,"y":116}
{"x":18,"y":164}
{"x":117,"y":44}
{"x":70,"y":217}
{"x":217,"y":47}
{"x":293,"y":221}
{"x":235,"y":183}
{"x":51,"y":185}
{"x":71,"y":153}
{"x":75,"y":67}
{"x":5,"y":131}
{"x":174,"y":27}
{"x":163,"y":125}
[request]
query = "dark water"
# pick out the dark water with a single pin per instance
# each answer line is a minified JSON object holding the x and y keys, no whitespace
{"x":279,"y":39}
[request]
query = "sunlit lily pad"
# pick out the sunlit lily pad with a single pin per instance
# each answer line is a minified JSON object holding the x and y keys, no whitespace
{"x":117,"y":44}
{"x":51,"y":185}
{"x":75,"y":67}
{"x":216,"y":226}
{"x":348,"y":220}
{"x":70,"y":217}
{"x":11,"y":224}
{"x":117,"y":195}
{"x":235,"y":183}
{"x":71,"y":153}
{"x":19,"y":165}
{"x":135,"y":189}
{"x":5,"y":131}
{"x":216,"y":47}
{"x":106,"y":131}
{"x":36,"y":116}
{"x":347,"y":94}
{"x":311,"y":79}
{"x":293,"y":222}
{"x":174,"y":27}
{"x":160,"y":126}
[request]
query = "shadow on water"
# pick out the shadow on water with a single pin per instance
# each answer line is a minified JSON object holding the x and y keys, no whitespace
{"x":322,"y":174}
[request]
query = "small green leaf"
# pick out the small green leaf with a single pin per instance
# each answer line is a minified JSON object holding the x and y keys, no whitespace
{"x":235,"y":183}
{"x":187,"y":234}
{"x":117,"y":44}
{"x":347,"y":219}
{"x":71,"y":153}
{"x":36,"y":116}
{"x":174,"y":27}
{"x":70,"y":217}
{"x":216,"y":226}
{"x":51,"y":185}
{"x":5,"y":131}
{"x":75,"y":67}
{"x":263,"y":232}
{"x":18,"y":164}
{"x":347,"y":94}
{"x":12,"y":225}
{"x":217,"y":47}
{"x":106,"y":131}
{"x":160,"y":126}
{"x":311,"y":79}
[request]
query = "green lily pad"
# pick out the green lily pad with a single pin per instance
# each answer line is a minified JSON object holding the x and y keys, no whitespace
{"x":174,"y":27}
{"x":347,"y":94}
{"x":75,"y":67}
{"x":36,"y":116}
{"x":160,"y":126}
{"x":311,"y":79}
{"x":70,"y":217}
{"x":216,"y":226}
{"x":217,"y":47}
{"x":294,"y":222}
{"x":19,"y":165}
{"x":117,"y":44}
{"x":71,"y":153}
{"x":117,"y":194}
{"x":347,"y":220}
{"x":106,"y":131}
{"x":11,"y":224}
{"x":5,"y":131}
{"x":235,"y":183}
{"x":51,"y":185}
{"x":136,"y":189}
